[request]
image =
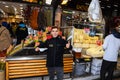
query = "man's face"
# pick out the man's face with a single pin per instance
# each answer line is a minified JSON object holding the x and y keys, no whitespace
{"x":118,"y":28}
{"x":54,"y":32}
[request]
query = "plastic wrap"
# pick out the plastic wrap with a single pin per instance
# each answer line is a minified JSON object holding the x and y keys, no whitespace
{"x":94,"y":12}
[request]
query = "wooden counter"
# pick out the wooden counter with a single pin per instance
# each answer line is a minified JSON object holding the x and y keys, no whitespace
{"x":18,"y":67}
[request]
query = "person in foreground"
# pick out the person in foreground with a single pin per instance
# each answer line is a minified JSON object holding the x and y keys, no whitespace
{"x":111,"y":47}
{"x":5,"y":39}
{"x":55,"y":52}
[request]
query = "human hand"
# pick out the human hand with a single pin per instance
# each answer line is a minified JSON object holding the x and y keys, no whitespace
{"x":37,"y":49}
{"x":68,"y":44}
{"x":63,"y":37}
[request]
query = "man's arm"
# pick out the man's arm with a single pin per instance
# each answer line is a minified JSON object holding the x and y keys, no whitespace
{"x":105,"y":44}
{"x":40,"y":45}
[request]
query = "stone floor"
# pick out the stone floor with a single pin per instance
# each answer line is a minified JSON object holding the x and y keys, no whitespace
{"x":79,"y":78}
{"x":46,"y":78}
{"x":66,"y":77}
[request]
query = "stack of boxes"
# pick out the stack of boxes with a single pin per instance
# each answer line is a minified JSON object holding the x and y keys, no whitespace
{"x":96,"y":66}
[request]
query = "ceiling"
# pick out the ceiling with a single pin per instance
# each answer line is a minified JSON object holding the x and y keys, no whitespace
{"x":107,"y":6}
{"x":11,"y":8}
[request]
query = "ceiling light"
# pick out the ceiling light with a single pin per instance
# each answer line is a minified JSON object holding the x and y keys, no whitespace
{"x":21,"y":10}
{"x":108,"y":6}
{"x":6,"y":6}
{"x":73,"y":12}
{"x":64,"y":2}
{"x":4,"y":2}
{"x":116,"y":5}
{"x":48,"y":2}
{"x":115,"y":10}
{"x":21,"y":5}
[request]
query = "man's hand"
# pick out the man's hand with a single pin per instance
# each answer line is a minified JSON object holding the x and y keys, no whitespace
{"x":68,"y":44}
{"x":37,"y":44}
{"x":37,"y":49}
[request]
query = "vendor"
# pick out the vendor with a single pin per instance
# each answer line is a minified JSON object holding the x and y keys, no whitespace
{"x":55,"y":52}
{"x":111,"y":46}
{"x":21,"y":32}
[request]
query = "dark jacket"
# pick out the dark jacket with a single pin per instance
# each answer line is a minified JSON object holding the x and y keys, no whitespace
{"x":56,"y":47}
{"x":21,"y":33}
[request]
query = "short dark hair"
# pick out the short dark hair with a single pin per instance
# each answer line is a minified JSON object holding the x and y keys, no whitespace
{"x":116,"y":22}
{"x":1,"y":15}
{"x":55,"y":27}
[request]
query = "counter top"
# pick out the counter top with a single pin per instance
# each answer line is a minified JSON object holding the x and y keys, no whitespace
{"x":31,"y":57}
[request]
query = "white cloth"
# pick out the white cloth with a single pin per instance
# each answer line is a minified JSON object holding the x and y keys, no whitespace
{"x":111,"y":46}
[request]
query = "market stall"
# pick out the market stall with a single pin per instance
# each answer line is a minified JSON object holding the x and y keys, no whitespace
{"x":87,"y":38}
{"x":28,"y":63}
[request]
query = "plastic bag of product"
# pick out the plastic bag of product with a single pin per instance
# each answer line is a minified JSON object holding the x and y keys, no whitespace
{"x":94,"y":12}
{"x":79,"y":69}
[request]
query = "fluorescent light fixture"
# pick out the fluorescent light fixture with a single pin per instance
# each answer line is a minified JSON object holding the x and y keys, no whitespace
{"x":21,"y":10}
{"x":64,"y":2}
{"x":115,"y":10}
{"x":48,"y":2}
{"x":21,"y":5}
{"x":6,"y":6}
{"x":116,"y":5}
{"x":108,"y":6}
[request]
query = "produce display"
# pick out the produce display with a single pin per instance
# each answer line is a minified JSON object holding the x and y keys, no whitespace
{"x":83,"y":40}
{"x":91,"y":44}
{"x":32,"y":39}
{"x":19,"y":48}
{"x":95,"y":51}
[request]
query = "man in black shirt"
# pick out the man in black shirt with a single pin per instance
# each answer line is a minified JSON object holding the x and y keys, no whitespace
{"x":56,"y":46}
